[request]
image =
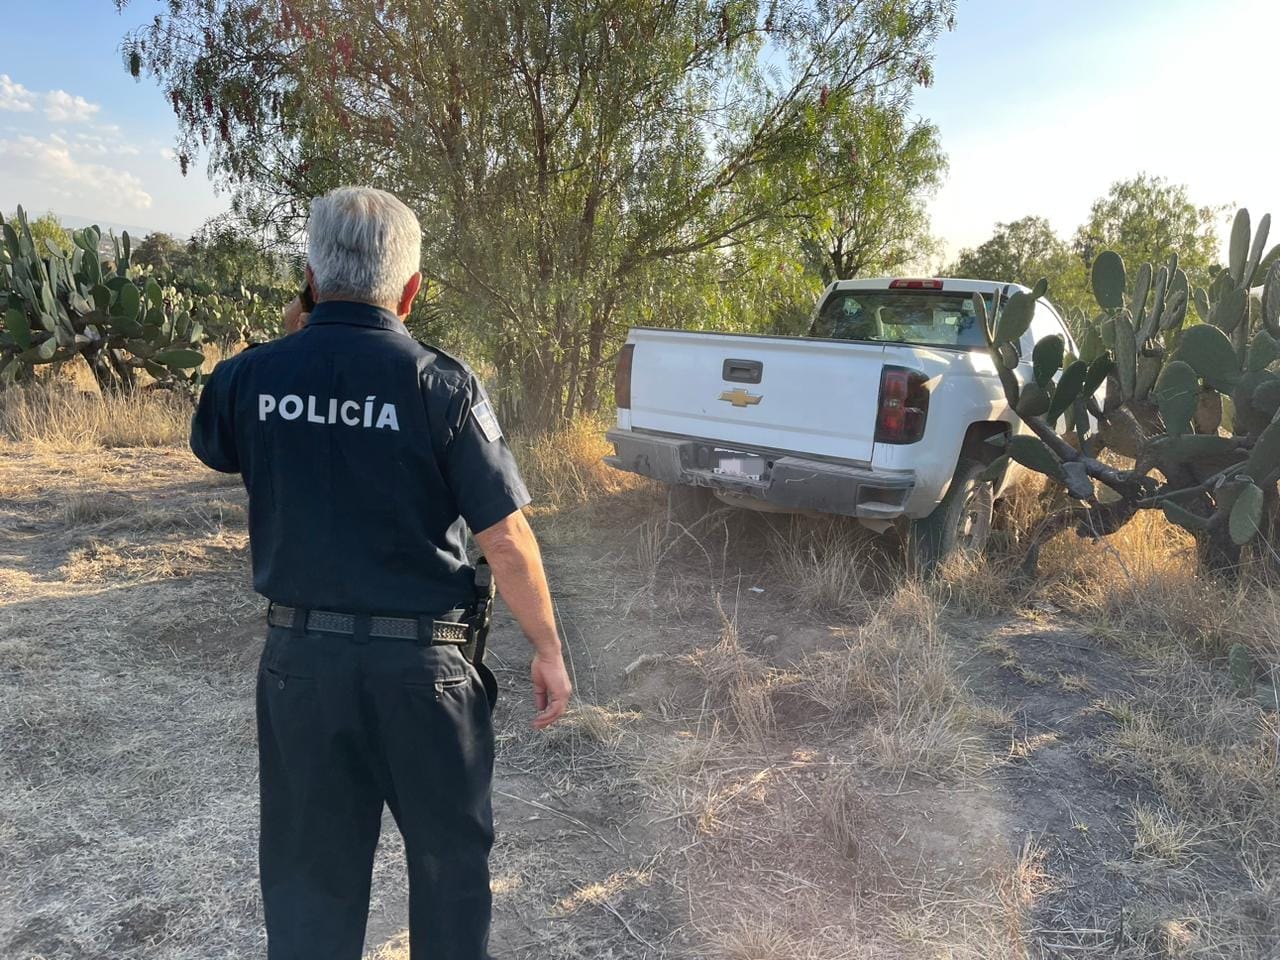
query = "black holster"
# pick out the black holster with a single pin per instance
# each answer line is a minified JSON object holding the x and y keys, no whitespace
{"x":479,"y":619}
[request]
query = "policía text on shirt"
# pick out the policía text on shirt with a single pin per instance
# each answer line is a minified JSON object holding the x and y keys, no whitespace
{"x":368,"y":414}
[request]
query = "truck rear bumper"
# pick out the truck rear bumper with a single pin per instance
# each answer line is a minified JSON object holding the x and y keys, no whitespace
{"x":786,"y":481}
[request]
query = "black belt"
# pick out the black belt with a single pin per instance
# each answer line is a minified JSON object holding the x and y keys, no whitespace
{"x":426,"y":629}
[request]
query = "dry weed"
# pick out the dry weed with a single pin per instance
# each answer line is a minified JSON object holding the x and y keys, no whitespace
{"x":990,"y":919}
{"x":1213,"y":759}
{"x":984,"y":585}
{"x":1021,"y":888}
{"x":1143,"y":589}
{"x":64,"y":409}
{"x":895,"y":663}
{"x":1159,"y":835}
{"x":565,"y":467}
{"x":831,"y":565}
{"x":587,"y":729}
{"x":897,"y":674}
{"x":53,"y":412}
{"x":742,"y":686}
{"x":749,"y":938}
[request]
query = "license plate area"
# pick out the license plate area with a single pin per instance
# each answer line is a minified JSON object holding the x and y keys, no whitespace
{"x":725,"y":462}
{"x":746,"y":466}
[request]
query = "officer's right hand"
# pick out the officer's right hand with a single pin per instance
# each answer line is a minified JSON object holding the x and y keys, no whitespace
{"x":551,"y":689}
{"x":294,"y":316}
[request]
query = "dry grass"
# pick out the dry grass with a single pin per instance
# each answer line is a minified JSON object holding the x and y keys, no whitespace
{"x":1213,"y":757}
{"x":1142,"y":587}
{"x":745,"y":688}
{"x":1205,"y":759}
{"x":805,"y":843}
{"x":892,"y":696}
{"x":64,"y":409}
{"x":897,"y":675}
{"x":1159,"y":835}
{"x":56,"y":413}
{"x":565,"y":468}
{"x":831,"y":565}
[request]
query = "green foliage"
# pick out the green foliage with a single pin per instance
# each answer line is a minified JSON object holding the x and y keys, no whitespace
{"x":1048,"y":396}
{"x":1166,"y":393}
{"x":224,"y":257}
{"x":1245,"y":515}
{"x":1021,"y":252}
{"x":118,"y":318}
{"x":1207,"y":350}
{"x":609,"y":163}
{"x":1177,"y":394}
{"x":1146,"y":219}
{"x":1070,"y":387}
{"x":161,"y":253}
{"x":1046,"y":358}
{"x":47,"y":230}
{"x":1108,"y":280}
{"x":863,"y":206}
{"x":1032,"y":453}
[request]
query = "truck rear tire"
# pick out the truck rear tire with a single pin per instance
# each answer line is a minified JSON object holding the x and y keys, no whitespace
{"x":960,"y":522}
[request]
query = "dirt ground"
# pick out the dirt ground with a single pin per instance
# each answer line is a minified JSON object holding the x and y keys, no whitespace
{"x":748,"y":774}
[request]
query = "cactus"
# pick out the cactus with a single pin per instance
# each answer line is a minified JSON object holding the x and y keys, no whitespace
{"x":1166,"y":380}
{"x":119,"y":318}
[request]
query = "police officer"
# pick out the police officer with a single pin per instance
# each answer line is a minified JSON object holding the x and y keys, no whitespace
{"x":366,"y":456}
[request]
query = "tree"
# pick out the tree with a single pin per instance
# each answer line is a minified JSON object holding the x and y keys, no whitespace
{"x":46,"y":229}
{"x":1145,"y":219}
{"x":870,"y":180}
{"x":224,"y":256}
{"x":577,"y":166}
{"x":1023,"y":251}
{"x":161,"y":252}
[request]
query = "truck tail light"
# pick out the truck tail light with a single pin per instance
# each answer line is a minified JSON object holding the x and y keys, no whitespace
{"x":622,"y":377}
{"x":904,"y":405}
{"x":915,"y":285}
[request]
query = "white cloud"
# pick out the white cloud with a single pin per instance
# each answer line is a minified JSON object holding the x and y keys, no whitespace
{"x":14,"y":96}
{"x":102,"y":146}
{"x":51,"y":163}
{"x":63,"y":107}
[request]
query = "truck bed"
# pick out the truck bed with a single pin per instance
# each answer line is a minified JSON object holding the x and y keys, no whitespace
{"x":770,"y":392}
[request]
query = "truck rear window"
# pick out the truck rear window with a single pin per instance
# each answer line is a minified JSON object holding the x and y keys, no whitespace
{"x":899,"y":316}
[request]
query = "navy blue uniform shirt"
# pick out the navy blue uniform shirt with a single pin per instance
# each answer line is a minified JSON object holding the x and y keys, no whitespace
{"x":365,"y":455}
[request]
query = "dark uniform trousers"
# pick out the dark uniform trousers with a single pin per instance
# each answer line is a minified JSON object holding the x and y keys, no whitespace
{"x":345,"y":726}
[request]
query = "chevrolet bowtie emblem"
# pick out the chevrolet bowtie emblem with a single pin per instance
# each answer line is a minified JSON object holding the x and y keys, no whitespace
{"x":740,"y":398}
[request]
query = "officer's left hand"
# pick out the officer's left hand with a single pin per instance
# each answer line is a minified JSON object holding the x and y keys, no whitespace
{"x":551,"y":689}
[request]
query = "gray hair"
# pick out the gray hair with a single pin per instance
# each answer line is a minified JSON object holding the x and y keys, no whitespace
{"x":362,"y":244}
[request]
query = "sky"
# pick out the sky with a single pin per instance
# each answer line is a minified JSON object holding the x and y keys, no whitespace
{"x":81,"y":137}
{"x":1041,"y":104}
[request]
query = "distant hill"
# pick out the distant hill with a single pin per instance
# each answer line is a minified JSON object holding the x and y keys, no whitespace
{"x":108,"y":226}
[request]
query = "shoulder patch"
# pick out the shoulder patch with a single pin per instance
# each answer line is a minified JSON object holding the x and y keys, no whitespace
{"x":486,"y":421}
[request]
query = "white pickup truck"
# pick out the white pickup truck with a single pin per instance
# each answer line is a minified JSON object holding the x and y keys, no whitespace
{"x":880,"y":413}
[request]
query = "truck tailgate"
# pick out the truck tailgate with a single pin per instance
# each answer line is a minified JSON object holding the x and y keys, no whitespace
{"x":781,"y":393}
